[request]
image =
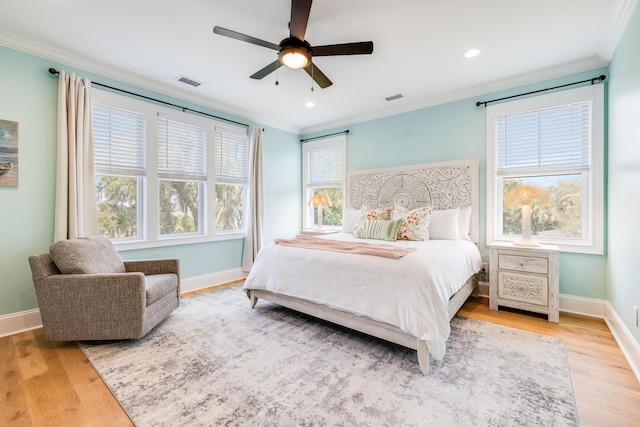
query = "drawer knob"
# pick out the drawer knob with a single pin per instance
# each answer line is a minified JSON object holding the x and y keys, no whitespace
{"x":521,"y":264}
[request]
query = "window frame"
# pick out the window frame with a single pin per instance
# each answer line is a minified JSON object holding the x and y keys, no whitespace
{"x":149,"y":228}
{"x":308,"y":217}
{"x":593,"y":207}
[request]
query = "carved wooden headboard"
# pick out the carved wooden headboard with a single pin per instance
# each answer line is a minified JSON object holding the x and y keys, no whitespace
{"x":444,"y":185}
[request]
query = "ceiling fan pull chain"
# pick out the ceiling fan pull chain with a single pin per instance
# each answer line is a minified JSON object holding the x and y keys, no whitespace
{"x":312,"y":79}
{"x":277,"y":82}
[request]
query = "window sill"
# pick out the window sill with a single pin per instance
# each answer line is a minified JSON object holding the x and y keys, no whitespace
{"x":174,"y":241}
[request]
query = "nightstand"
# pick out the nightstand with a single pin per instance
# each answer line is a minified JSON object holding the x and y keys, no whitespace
{"x":525,"y":278}
{"x":314,"y":232}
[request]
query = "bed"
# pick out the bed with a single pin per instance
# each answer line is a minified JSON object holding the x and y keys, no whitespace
{"x":407,"y":299}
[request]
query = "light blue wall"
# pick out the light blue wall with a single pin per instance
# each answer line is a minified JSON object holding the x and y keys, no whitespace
{"x":623,"y":289}
{"x":457,"y":130}
{"x":28,"y":95}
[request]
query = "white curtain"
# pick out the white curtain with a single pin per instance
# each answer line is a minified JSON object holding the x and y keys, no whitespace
{"x":255,"y":211}
{"x":76,"y":212}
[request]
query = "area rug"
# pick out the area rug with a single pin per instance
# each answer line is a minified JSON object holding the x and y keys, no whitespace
{"x":215,"y":361}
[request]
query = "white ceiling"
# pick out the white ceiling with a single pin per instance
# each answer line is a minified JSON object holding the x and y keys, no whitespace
{"x":419,"y":48}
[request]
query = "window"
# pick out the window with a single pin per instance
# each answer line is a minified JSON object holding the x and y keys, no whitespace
{"x":119,"y":141}
{"x":556,"y":142}
{"x":163,"y":175}
{"x":323,"y":173}
{"x":182,"y":176}
{"x":231,"y":171}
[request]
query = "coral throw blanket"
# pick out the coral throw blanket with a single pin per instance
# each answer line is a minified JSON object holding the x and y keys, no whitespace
{"x":363,"y":248}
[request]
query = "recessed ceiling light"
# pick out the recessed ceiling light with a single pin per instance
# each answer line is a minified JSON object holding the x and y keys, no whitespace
{"x":471,"y":53}
{"x":310,"y":104}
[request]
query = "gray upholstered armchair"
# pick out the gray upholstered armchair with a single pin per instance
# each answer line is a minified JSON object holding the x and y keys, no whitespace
{"x":86,"y":292}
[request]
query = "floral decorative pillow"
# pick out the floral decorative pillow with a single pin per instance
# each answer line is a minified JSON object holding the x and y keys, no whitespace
{"x":377,"y":213}
{"x":415,"y":223}
{"x":371,"y":214}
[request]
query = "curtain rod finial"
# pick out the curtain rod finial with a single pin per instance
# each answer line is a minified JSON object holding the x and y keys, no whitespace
{"x":53,"y":71}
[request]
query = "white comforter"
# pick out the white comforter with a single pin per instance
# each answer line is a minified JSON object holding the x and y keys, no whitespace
{"x":411,"y":293}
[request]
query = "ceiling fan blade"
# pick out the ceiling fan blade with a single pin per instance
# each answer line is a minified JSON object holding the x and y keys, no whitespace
{"x":359,"y":48}
{"x":318,"y":76}
{"x":300,"y":10}
{"x":267,"y":70}
{"x":244,"y":38}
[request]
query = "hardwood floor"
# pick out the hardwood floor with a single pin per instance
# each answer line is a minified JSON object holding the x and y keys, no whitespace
{"x":53,"y":384}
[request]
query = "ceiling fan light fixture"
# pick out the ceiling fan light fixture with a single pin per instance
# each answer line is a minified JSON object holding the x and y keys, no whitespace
{"x":295,"y":57}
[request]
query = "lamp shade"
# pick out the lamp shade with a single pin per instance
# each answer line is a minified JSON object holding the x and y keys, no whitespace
{"x":526,"y":195}
{"x":319,"y":200}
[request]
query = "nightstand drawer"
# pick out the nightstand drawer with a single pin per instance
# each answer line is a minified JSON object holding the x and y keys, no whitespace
{"x":525,"y":264}
{"x":526,"y":288}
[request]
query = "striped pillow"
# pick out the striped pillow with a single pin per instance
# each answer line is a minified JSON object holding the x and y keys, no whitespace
{"x":378,"y":229}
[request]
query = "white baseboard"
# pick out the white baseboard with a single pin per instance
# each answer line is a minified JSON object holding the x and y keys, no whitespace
{"x":208,"y":280}
{"x":15,"y":323}
{"x":629,"y":346}
{"x":585,"y":306}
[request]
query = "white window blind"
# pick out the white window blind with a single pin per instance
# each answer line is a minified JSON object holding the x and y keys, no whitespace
{"x":542,"y":140}
{"x":119,"y":140}
{"x":324,"y":166}
{"x":181,"y":150}
{"x":231,"y":156}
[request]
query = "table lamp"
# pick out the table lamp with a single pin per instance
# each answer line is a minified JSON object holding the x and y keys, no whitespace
{"x":526,"y":195}
{"x":319,"y":201}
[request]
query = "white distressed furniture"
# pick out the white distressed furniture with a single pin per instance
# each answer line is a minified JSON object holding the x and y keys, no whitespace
{"x":443,"y":185}
{"x":525,"y":278}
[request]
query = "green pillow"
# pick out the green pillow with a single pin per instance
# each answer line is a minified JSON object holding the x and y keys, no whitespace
{"x":379,"y":229}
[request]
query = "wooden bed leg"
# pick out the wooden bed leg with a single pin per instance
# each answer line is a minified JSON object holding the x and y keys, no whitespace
{"x":253,"y":299}
{"x":423,"y":357}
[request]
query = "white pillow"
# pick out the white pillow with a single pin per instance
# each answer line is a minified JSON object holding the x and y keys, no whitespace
{"x":349,"y":219}
{"x":464,"y":223}
{"x":444,"y":225}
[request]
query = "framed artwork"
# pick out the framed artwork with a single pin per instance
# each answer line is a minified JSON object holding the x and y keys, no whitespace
{"x":8,"y":153}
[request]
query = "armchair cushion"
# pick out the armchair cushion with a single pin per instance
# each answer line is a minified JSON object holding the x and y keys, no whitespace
{"x":86,"y":255}
{"x":158,"y":285}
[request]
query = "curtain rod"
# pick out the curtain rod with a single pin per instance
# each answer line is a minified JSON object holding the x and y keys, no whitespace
{"x":325,"y":136}
{"x":54,"y":71}
{"x":593,"y":80}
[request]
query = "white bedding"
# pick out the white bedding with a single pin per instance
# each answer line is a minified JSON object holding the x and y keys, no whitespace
{"x":411,"y":293}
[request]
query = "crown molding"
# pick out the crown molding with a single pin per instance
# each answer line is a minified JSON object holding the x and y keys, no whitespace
{"x":107,"y":71}
{"x":623,"y":11}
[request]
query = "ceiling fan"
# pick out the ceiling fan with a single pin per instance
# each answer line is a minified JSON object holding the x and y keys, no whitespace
{"x":294,"y":51}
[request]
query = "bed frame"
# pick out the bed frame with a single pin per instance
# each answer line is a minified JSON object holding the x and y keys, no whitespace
{"x":441,"y":185}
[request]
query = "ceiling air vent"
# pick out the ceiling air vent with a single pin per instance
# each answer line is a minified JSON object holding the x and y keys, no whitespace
{"x":394,"y":97}
{"x":188,"y":81}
